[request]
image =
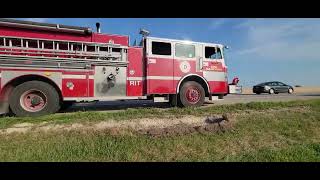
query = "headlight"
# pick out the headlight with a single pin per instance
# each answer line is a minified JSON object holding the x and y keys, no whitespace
{"x":267,"y":88}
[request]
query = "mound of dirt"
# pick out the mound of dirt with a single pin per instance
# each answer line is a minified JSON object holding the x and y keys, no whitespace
{"x":211,"y":124}
{"x":155,"y":127}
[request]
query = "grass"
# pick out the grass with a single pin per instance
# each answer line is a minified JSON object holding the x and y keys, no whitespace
{"x":289,"y":135}
{"x":91,"y":116}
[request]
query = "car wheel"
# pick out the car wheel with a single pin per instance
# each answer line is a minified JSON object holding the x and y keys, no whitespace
{"x":271,"y":91}
{"x":290,"y":90}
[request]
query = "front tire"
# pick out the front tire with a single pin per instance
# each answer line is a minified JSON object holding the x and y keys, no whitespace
{"x":34,"y":98}
{"x":192,"y":94}
{"x":290,"y":90}
{"x":271,"y":91}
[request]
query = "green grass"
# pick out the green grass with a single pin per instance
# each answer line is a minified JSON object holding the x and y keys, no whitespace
{"x":91,"y":116}
{"x":289,"y":135}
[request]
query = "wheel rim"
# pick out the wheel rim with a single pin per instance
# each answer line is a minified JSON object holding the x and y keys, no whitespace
{"x":290,"y":90}
{"x":193,"y":95}
{"x":271,"y":91}
{"x":33,"y":100}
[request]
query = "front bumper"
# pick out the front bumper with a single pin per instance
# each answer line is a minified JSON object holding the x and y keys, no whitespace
{"x":235,"y":89}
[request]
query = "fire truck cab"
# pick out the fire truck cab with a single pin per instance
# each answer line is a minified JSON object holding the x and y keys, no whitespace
{"x":45,"y":67}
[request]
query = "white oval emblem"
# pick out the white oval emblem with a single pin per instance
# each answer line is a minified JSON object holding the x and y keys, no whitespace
{"x":185,"y":67}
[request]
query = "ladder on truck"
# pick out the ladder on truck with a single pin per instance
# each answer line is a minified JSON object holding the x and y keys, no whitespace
{"x":48,"y":53}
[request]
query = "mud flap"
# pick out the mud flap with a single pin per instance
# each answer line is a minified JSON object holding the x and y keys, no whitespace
{"x":4,"y":108}
{"x":173,"y":99}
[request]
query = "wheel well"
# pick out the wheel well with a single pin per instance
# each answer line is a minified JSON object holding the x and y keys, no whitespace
{"x":19,"y":80}
{"x":198,"y":80}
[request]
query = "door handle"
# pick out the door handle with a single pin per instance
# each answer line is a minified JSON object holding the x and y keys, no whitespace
{"x":201,"y":63}
{"x":152,"y":61}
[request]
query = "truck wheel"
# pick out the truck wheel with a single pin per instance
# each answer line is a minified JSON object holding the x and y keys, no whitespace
{"x":191,"y":94}
{"x":34,"y":98}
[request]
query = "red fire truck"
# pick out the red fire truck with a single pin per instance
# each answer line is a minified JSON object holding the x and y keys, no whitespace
{"x":45,"y":67}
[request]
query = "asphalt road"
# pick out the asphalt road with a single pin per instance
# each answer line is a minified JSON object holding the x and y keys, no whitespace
{"x":245,"y":98}
{"x":229,"y":99}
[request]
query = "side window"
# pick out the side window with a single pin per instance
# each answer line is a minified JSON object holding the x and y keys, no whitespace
{"x":161,"y":48}
{"x":213,"y":53}
{"x":219,"y":54}
{"x":185,"y":50}
{"x":281,"y":84}
{"x":210,"y":52}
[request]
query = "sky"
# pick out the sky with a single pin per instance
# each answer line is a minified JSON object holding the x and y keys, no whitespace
{"x":282,"y":49}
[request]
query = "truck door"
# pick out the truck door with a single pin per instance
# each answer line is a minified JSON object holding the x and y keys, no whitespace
{"x":159,"y":66}
{"x":214,"y":69}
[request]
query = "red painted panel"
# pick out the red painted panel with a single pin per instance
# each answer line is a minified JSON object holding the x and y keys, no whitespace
{"x":218,"y":86}
{"x":80,"y":88}
{"x":19,"y":32}
{"x":135,"y":56}
{"x":105,"y":38}
{"x":135,"y":88}
{"x":213,"y":66}
{"x":183,"y":68}
{"x":160,"y":67}
{"x":42,"y":34}
{"x":135,"y":70}
{"x":91,"y":87}
{"x":161,"y":87}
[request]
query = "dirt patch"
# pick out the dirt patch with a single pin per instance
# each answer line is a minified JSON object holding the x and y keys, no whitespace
{"x":153,"y":127}
{"x":183,"y":129}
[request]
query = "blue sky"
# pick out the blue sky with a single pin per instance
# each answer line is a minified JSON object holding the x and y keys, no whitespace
{"x":287,"y":50}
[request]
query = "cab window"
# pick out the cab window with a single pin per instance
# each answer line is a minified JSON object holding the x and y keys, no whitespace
{"x":161,"y":48}
{"x":185,"y":50}
{"x":213,"y":53}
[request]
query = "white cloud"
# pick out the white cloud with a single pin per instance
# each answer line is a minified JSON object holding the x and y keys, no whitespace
{"x":217,"y":23}
{"x":281,"y":39}
{"x":36,"y":19}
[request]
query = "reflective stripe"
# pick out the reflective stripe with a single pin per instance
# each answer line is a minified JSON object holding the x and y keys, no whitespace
{"x":163,"y":78}
{"x":214,"y":76}
{"x":91,"y":76}
{"x":72,"y":76}
{"x":136,"y":78}
{"x":153,"y":78}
